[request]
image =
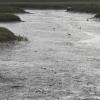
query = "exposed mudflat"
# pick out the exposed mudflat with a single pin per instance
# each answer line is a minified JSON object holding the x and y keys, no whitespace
{"x":61,"y":61}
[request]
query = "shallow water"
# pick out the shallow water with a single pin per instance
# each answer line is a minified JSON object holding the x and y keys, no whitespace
{"x":61,"y":60}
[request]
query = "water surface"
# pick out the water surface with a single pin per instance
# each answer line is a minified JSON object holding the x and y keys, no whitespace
{"x":61,"y":60}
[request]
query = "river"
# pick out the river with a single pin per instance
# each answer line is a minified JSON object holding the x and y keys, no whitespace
{"x":61,"y":60}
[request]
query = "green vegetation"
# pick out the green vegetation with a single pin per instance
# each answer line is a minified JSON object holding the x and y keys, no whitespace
{"x":5,"y":17}
{"x":10,"y":9}
{"x":6,"y":35}
{"x":48,"y":0}
{"x":7,"y":13}
{"x":97,"y":15}
{"x":86,"y":8}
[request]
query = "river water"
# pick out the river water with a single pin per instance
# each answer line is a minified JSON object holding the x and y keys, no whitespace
{"x":61,"y":60}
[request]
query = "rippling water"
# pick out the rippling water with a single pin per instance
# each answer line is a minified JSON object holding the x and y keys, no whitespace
{"x":61,"y":60}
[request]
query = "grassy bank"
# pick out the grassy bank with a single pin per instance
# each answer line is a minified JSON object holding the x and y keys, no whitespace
{"x":97,"y":15}
{"x":76,"y":6}
{"x":52,"y":4}
{"x":6,"y":35}
{"x":6,"y":17}
{"x":7,"y":13}
{"x":49,"y":0}
{"x":10,"y":9}
{"x":85,"y":8}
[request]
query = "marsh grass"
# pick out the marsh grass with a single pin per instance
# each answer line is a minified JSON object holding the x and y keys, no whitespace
{"x":97,"y":15}
{"x":80,"y":6}
{"x":10,"y":9}
{"x":7,"y":17}
{"x":6,"y":35}
{"x":49,"y":1}
{"x":85,"y":8}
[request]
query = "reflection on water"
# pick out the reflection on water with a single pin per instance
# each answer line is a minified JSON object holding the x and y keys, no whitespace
{"x":58,"y":62}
